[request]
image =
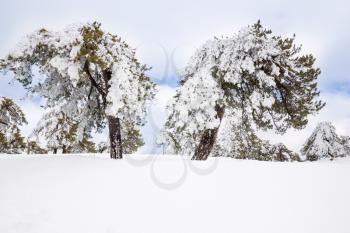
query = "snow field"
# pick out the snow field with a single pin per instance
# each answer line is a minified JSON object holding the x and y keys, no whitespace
{"x":83,"y":194}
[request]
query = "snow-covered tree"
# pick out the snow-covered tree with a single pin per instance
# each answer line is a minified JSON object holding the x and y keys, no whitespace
{"x":86,"y":145}
{"x":346,"y":142}
{"x":102,"y":147}
{"x":11,"y":117}
{"x":131,"y":140}
{"x":91,"y":74}
{"x":34,"y":148}
{"x":241,"y":142}
{"x":162,"y":141}
{"x":281,"y":153}
{"x":254,"y":76}
{"x":59,"y":132}
{"x":324,"y":142}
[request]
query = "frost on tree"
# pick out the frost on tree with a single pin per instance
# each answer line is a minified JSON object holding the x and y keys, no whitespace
{"x":59,"y":132}
{"x":91,"y":74}
{"x":325,"y":143}
{"x":260,"y":79}
{"x":242,"y":143}
{"x":11,"y":117}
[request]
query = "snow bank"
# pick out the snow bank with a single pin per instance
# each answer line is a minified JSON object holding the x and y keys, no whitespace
{"x":172,"y":194}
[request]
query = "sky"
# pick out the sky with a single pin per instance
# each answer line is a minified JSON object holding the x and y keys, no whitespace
{"x":166,"y":33}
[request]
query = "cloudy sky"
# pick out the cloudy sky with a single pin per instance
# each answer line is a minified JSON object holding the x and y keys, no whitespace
{"x":166,"y":33}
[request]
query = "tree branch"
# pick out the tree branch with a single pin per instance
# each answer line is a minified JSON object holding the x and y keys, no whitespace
{"x":4,"y":123}
{"x":94,"y":83}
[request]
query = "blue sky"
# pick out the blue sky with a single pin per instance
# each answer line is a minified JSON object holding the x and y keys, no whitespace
{"x":166,"y":33}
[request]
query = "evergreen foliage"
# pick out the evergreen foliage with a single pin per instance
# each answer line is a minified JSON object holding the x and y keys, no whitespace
{"x":324,"y":142}
{"x":11,"y":117}
{"x":257,"y":79}
{"x":92,"y":76}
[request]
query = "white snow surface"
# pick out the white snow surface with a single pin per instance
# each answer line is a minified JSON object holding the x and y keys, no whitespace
{"x":85,"y":193}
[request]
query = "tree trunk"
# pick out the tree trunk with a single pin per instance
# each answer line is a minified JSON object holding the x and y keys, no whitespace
{"x":208,"y":139}
{"x":28,"y":147}
{"x":115,"y":138}
{"x":64,"y":149}
{"x":55,"y":150}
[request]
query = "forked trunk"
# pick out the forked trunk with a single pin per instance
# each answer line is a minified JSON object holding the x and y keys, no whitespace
{"x":115,"y":138}
{"x":208,"y":139}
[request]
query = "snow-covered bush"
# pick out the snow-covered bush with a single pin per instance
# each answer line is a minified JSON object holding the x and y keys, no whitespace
{"x":57,"y":132}
{"x":346,"y":142}
{"x":92,"y":75}
{"x":325,"y":143}
{"x":34,"y":148}
{"x":11,"y":117}
{"x":102,"y":147}
{"x":241,"y":142}
{"x":255,"y":78}
{"x":281,"y":153}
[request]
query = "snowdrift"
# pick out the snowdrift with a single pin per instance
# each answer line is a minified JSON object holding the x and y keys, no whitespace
{"x":172,"y":194}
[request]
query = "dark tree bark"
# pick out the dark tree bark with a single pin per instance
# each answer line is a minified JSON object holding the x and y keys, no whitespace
{"x":29,"y":146}
{"x":208,"y":139}
{"x":115,"y":137}
{"x":64,"y":149}
{"x":55,"y":150}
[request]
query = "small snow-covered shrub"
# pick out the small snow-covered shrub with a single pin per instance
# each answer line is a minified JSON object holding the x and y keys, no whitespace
{"x":325,"y":143}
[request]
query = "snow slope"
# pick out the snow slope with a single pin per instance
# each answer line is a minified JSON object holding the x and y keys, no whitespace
{"x":83,"y":194}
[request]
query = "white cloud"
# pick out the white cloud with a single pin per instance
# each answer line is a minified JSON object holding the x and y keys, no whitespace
{"x":186,"y":24}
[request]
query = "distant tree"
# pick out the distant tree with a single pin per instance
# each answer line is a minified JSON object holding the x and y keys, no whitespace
{"x":102,"y":147}
{"x":324,"y":142}
{"x":59,"y":132}
{"x":83,"y":146}
{"x":11,"y":117}
{"x":257,"y":77}
{"x":242,"y":143}
{"x":34,"y":148}
{"x":132,"y":139}
{"x":281,"y":153}
{"x":92,"y":75}
{"x":345,"y":140}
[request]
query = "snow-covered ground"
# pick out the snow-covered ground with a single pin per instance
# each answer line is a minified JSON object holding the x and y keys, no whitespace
{"x":171,"y":194}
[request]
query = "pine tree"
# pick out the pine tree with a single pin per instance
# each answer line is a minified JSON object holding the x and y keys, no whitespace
{"x":240,"y":142}
{"x":83,"y":146}
{"x":11,"y":117}
{"x":92,"y":75}
{"x":34,"y":148}
{"x":324,"y":142}
{"x":281,"y":153}
{"x":258,"y":78}
{"x":59,"y":132}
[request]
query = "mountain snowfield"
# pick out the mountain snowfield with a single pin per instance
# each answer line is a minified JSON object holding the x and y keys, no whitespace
{"x":144,"y":193}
